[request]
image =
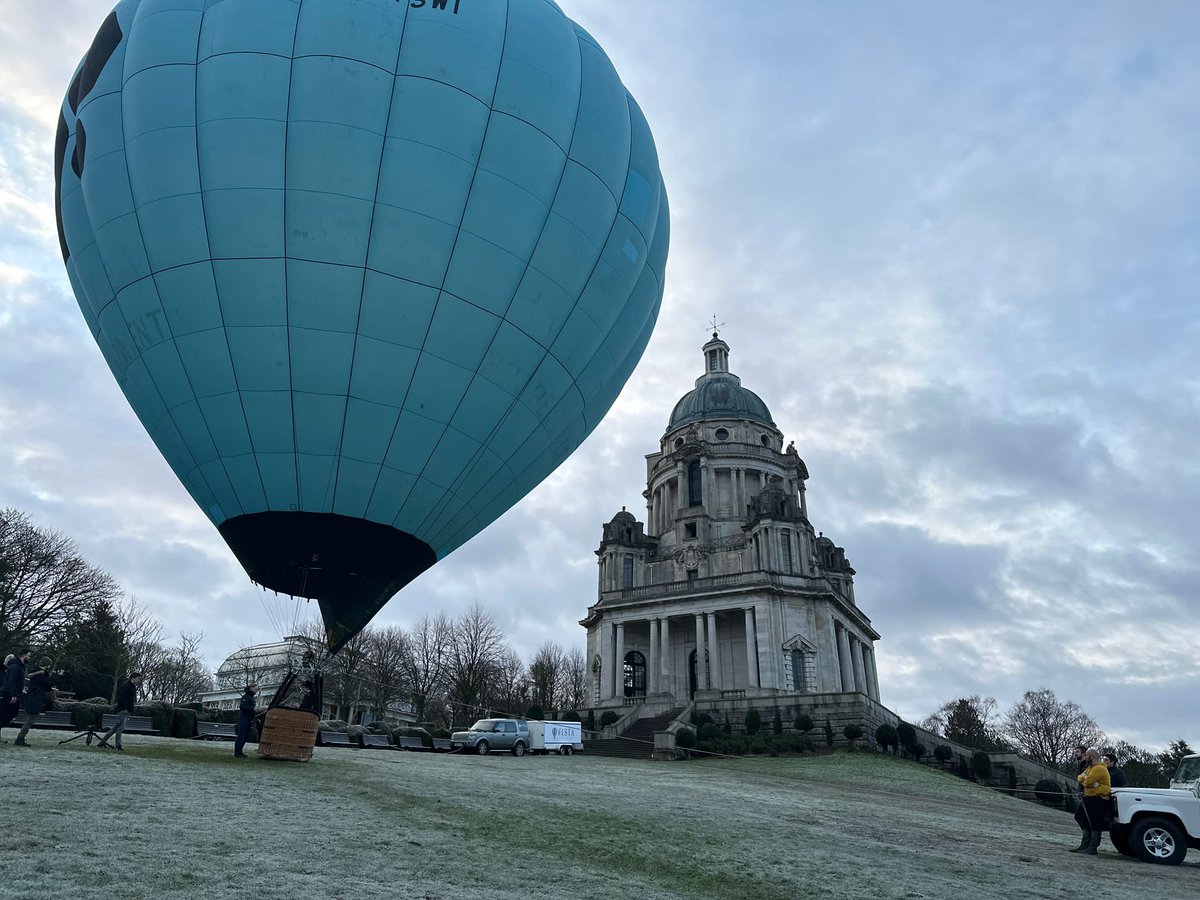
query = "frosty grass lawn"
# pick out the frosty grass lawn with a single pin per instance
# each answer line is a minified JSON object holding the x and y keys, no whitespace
{"x":175,"y":818}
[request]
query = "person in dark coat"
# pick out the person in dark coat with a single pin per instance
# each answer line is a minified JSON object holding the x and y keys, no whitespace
{"x":126,"y":701}
{"x":246,"y":709}
{"x":13,"y":686}
{"x":37,"y":699}
{"x":1115,"y":775}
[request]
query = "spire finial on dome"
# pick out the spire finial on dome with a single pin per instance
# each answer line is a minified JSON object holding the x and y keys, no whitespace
{"x":716,"y":326}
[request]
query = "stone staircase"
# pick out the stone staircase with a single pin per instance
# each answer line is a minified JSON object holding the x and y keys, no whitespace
{"x":636,"y":743}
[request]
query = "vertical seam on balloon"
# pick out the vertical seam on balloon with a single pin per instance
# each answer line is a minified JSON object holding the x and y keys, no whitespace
{"x":362,"y":290}
{"x":213,"y":269}
{"x":138,"y":221}
{"x":287,"y":311}
{"x":600,"y":256}
{"x":449,"y":259}
{"x":468,"y":468}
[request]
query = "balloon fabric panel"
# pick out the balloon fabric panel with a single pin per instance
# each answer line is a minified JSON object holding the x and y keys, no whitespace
{"x":367,"y":271}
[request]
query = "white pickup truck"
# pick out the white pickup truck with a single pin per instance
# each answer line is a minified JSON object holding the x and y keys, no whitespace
{"x":1157,"y":824}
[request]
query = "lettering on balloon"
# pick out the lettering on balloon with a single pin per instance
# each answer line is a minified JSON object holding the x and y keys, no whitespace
{"x":433,"y":4}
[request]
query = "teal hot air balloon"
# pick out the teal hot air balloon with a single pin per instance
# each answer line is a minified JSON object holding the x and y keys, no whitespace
{"x":366,"y":270}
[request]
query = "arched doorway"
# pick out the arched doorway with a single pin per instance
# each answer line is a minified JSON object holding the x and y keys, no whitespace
{"x":635,"y":674}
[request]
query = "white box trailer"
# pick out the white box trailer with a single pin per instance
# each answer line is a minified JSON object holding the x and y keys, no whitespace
{"x":555,"y":737}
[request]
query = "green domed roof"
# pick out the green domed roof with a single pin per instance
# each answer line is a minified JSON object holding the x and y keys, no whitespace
{"x":719,"y":393}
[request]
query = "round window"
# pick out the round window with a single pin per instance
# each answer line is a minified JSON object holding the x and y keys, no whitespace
{"x":678,"y":443}
{"x":721,"y":434}
{"x":766,"y":441}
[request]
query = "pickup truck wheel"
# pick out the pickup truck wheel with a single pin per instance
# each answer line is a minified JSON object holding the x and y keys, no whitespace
{"x":519,"y":748}
{"x":1120,"y":840}
{"x":481,"y":748}
{"x":1158,"y":841}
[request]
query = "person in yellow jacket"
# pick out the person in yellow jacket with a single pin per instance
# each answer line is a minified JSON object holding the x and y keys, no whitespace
{"x":1097,"y":788}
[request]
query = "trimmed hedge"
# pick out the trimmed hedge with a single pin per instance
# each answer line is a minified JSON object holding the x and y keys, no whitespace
{"x":183,"y":723}
{"x":752,"y":723}
{"x":804,"y":724}
{"x":608,"y":717}
{"x":84,"y":715}
{"x":760,"y":744}
{"x":425,"y":736}
{"x":571,"y":716}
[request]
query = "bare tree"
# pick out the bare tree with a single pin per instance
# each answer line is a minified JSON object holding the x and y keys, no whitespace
{"x":385,"y":668}
{"x":511,"y":686}
{"x":545,"y":672}
{"x":475,"y":649}
{"x":44,"y":582}
{"x":1047,"y":729}
{"x":426,"y":657}
{"x":574,"y":679}
{"x":346,"y":673}
{"x":180,"y":675}
{"x":141,"y":648}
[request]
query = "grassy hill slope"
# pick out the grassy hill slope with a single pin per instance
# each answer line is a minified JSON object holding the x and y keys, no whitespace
{"x":179,"y":819}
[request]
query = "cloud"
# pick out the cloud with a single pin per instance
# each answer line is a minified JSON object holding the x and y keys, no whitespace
{"x":956,"y":256}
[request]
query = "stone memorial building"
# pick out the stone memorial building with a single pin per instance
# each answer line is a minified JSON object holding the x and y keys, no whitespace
{"x":725,"y":592}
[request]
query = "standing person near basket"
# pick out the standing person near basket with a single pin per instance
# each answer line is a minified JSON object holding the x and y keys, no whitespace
{"x":126,"y":701}
{"x":246,"y":709}
{"x":13,"y":686}
{"x":1097,"y":787}
{"x":36,"y":700}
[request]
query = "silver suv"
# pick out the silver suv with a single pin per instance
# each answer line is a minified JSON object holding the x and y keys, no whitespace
{"x":487,"y":735}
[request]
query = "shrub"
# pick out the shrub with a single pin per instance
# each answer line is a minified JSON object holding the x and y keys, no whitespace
{"x":379,"y":727}
{"x":608,"y":717}
{"x":753,"y":722}
{"x":685,"y":738}
{"x":700,"y":719}
{"x":1047,"y":792}
{"x":440,"y":733}
{"x":356,"y":733}
{"x":571,"y":716}
{"x":333,"y":725}
{"x":160,"y":715}
{"x":885,"y":737}
{"x":535,"y":712}
{"x":828,"y":733}
{"x":917,"y":751}
{"x":981,"y":765}
{"x":183,"y":724}
{"x":591,"y":720}
{"x":942,"y":753}
{"x":804,"y":724}
{"x":906,"y":735}
{"x":411,"y":731}
{"x":709,"y":731}
{"x":85,"y":715}
{"x":852,"y":733}
{"x":777,"y":723}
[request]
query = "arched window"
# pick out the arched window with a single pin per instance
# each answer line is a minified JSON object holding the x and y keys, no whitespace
{"x":635,"y":674}
{"x":695,"y":495}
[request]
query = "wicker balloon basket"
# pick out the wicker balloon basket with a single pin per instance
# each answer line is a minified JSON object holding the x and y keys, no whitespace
{"x":288,"y":734}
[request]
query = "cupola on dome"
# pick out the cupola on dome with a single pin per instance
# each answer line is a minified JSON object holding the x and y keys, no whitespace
{"x":719,"y":393}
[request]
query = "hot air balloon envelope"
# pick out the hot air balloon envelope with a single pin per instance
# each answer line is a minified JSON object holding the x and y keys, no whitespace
{"x":366,"y":270}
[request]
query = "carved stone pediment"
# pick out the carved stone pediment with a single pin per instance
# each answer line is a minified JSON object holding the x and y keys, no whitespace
{"x":690,"y":557}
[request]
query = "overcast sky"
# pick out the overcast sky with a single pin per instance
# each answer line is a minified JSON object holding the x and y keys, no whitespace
{"x":957,"y":251}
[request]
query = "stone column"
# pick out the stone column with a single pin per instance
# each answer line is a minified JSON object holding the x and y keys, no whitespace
{"x":847,"y":667}
{"x":714,"y":652}
{"x":668,"y":679}
{"x":701,"y":681}
{"x":751,"y":649}
{"x":652,"y":662}
{"x":606,"y":633}
{"x":741,"y":493}
{"x":619,"y":663}
{"x":872,"y":675}
{"x":860,"y":669}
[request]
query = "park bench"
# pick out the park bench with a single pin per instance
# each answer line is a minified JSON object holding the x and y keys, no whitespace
{"x":376,"y":740}
{"x":215,"y":731}
{"x":133,"y":725}
{"x":335,"y":739}
{"x":52,"y":719}
{"x":442,"y":745}
{"x":410,"y":743}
